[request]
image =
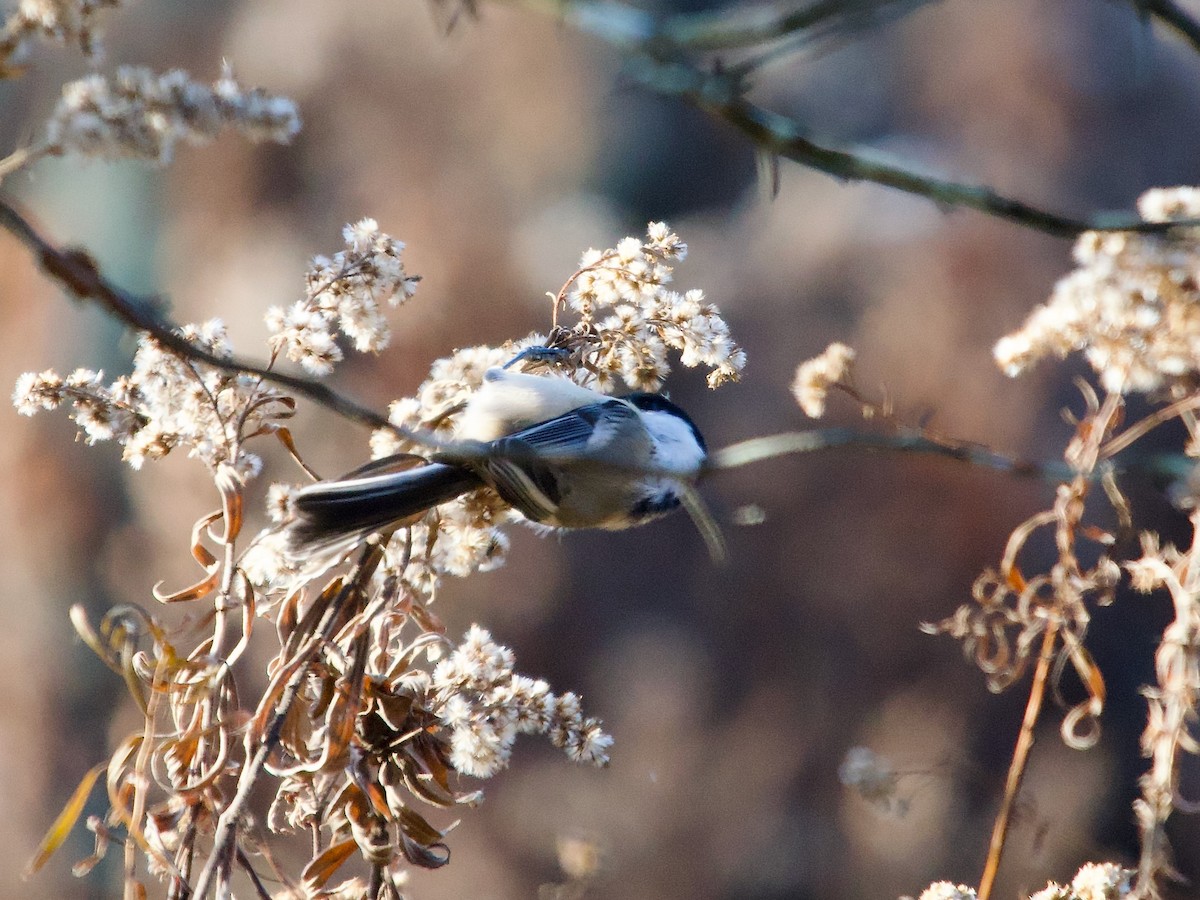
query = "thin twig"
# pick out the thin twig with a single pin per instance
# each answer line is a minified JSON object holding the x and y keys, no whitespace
{"x":1173,"y":16}
{"x":1140,"y":429}
{"x":248,"y":868}
{"x":1016,"y":769}
{"x":78,"y":273}
{"x":796,"y":442}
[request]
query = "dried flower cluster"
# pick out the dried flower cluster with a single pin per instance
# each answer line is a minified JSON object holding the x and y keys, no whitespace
{"x":486,"y":705}
{"x":1173,"y":702}
{"x":409,"y":732}
{"x":141,"y":114}
{"x":344,"y":292}
{"x":165,"y":403}
{"x":1011,"y":611}
{"x":872,"y":777}
{"x":817,"y":376}
{"x":59,"y":21}
{"x":1094,"y":881}
{"x":629,"y":319}
{"x":1132,"y":307}
{"x":369,"y":712}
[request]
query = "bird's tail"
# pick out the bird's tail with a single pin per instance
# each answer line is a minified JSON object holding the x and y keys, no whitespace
{"x":345,"y":510}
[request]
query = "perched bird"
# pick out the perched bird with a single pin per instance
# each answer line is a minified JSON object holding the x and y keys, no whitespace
{"x":560,"y":454}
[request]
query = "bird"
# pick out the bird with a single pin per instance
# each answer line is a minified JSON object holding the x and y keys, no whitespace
{"x":560,"y":454}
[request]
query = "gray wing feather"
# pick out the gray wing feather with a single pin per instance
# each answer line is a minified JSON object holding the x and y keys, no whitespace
{"x":570,"y":434}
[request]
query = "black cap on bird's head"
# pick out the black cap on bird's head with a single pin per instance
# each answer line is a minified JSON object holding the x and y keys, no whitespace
{"x":658,"y":403}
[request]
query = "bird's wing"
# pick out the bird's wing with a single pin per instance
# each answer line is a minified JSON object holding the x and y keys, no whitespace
{"x":567,"y":436}
{"x":523,"y":466}
{"x":524,"y":482}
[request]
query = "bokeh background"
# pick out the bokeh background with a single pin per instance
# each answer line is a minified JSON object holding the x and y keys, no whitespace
{"x":499,"y":151}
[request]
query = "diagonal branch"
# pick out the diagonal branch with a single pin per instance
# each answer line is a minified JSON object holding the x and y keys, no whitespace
{"x":722,"y":96}
{"x":1173,"y":16}
{"x":76,"y":271}
{"x":663,"y":54}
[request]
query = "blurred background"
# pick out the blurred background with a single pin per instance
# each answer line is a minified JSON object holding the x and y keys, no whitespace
{"x":500,"y":151}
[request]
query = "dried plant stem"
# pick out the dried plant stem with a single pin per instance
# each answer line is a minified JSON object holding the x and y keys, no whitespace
{"x":220,"y":859}
{"x":248,"y":868}
{"x":178,"y":889}
{"x":141,"y":786}
{"x":1172,"y":712}
{"x":1020,"y":758}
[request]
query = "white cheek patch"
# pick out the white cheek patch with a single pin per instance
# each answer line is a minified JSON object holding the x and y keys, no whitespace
{"x":676,"y":446}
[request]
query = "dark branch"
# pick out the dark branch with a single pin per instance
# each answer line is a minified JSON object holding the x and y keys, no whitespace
{"x":1173,"y":16}
{"x":663,"y":55}
{"x":721,"y":95}
{"x":76,"y":271}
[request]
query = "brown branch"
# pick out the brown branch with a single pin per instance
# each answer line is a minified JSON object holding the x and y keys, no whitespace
{"x":76,"y":271}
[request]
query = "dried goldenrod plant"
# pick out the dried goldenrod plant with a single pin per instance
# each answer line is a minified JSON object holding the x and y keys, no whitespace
{"x":1132,"y":307}
{"x":372,"y":719}
{"x":370,"y":713}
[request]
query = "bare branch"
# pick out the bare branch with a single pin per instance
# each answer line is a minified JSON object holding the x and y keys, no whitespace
{"x":76,"y":271}
{"x":906,"y":441}
{"x":1173,"y":16}
{"x":721,"y":95}
{"x":662,"y":57}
